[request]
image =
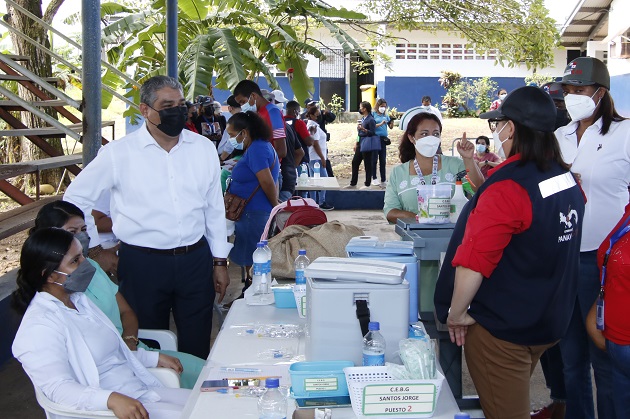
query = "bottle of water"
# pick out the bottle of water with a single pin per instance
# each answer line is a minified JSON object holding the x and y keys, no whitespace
{"x":457,"y":201}
{"x":260,"y":282}
{"x":316,"y":168}
{"x":272,"y":404}
{"x":373,"y":347}
{"x":268,"y":252}
{"x":299,"y":290}
{"x":303,"y":180}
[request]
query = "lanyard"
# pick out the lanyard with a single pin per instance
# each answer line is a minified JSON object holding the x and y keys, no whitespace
{"x":434,"y":175}
{"x":617,"y":235}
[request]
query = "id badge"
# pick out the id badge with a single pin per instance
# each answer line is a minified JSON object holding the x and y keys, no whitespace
{"x":600,"y":314}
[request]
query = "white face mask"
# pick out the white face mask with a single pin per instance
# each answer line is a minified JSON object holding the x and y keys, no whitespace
{"x":427,"y":146}
{"x":382,"y":109}
{"x":497,"y":140}
{"x":502,"y":97}
{"x":247,"y":107}
{"x":580,"y":106}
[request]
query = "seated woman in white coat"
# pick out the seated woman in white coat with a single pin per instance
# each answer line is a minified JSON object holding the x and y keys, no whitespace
{"x":70,"y":349}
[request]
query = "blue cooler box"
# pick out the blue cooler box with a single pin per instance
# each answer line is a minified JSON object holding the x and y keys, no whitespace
{"x":391,"y":251}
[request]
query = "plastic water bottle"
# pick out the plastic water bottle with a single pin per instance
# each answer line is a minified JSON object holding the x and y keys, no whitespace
{"x":316,"y":168}
{"x":303,"y":180}
{"x":260,"y":280}
{"x":272,"y":404}
{"x":373,"y":347}
{"x":457,"y":201}
{"x":299,"y":290}
{"x":268,"y":252}
{"x":462,"y":415}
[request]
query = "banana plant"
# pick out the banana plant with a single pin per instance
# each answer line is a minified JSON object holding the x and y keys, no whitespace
{"x":229,"y":40}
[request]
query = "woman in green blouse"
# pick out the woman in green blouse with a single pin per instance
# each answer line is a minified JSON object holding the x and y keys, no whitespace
{"x":421,"y":165}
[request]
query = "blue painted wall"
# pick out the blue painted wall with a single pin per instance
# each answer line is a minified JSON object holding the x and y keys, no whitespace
{"x":406,"y":92}
{"x":619,"y":88}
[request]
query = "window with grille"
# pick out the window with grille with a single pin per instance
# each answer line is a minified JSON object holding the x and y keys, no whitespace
{"x":441,"y":52}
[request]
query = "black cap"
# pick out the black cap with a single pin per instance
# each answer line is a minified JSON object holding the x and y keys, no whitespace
{"x":586,"y":71}
{"x":554,"y":89}
{"x":232,"y":102}
{"x":309,"y":100}
{"x":529,"y":106}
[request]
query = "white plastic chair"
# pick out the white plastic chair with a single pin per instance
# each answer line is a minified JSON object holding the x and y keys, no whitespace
{"x":166,"y":339}
{"x":53,"y":410}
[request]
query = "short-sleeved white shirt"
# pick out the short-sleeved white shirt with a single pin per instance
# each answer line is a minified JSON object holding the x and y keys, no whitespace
{"x":603,"y":162}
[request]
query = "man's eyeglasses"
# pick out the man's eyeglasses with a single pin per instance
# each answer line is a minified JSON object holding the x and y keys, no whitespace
{"x":492,"y":123}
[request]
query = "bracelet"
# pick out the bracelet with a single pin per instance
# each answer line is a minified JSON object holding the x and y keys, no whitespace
{"x":133,"y":338}
{"x":220,"y":262}
{"x":95,"y":251}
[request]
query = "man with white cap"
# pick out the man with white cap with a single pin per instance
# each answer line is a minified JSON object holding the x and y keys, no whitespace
{"x":279,"y":100}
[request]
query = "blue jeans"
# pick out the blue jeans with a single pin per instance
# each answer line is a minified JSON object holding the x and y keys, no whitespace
{"x":579,"y":352}
{"x":620,"y":358}
{"x":318,"y":196}
{"x":551,"y":363}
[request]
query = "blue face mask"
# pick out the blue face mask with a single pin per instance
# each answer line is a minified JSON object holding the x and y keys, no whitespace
{"x":247,"y":107}
{"x":234,"y":142}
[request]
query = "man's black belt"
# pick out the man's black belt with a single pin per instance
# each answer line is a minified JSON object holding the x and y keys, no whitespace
{"x":182,"y":250}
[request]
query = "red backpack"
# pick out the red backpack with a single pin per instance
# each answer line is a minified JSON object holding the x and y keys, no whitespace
{"x":295,"y":211}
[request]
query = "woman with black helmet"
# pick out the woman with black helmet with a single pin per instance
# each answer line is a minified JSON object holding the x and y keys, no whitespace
{"x":507,"y":287}
{"x":597,"y":146}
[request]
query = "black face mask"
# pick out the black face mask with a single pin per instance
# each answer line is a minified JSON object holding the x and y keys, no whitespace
{"x":562,"y":118}
{"x":172,"y":120}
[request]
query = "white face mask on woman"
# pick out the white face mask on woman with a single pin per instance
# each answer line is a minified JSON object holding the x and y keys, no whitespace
{"x":382,"y":109}
{"x":580,"y":106}
{"x":427,"y":146}
{"x":497,"y":140}
{"x":502,"y":96}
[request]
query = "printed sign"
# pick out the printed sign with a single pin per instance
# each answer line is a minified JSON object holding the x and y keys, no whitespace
{"x":321,"y":384}
{"x":439,"y":207}
{"x":399,"y":399}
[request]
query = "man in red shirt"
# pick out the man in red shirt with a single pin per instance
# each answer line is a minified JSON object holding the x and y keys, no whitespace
{"x":247,"y":93}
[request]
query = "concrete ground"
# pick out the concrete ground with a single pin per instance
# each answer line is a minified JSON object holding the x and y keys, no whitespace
{"x":17,"y":399}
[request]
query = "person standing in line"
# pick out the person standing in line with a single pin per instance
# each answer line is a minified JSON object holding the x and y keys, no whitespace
{"x":248,"y":94}
{"x":226,"y":148}
{"x":366,"y":128}
{"x":167,"y":210}
{"x":325,"y":117}
{"x":382,"y":122}
{"x":597,"y":146}
{"x":317,"y":155}
{"x":495,"y":104}
{"x":256,"y":176}
{"x":426,"y":105}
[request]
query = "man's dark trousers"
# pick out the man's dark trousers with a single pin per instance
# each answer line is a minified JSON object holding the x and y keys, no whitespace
{"x":154,"y":283}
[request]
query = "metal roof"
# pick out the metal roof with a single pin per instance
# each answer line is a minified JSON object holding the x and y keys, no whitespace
{"x":587,"y":22}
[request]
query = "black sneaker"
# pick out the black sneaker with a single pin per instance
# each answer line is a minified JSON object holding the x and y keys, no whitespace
{"x":326,"y":207}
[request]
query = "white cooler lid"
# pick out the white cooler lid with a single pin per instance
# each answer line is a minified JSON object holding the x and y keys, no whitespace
{"x":375,"y":271}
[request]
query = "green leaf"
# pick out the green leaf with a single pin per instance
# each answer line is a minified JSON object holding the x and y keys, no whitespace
{"x":302,"y":85}
{"x":227,"y":53}
{"x":197,"y":62}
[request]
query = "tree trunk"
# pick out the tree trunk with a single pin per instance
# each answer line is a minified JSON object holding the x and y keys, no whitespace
{"x":40,"y":64}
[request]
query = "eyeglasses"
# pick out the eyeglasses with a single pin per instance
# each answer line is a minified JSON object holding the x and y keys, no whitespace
{"x":493,"y":123}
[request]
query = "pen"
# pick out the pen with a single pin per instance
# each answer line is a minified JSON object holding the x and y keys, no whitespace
{"x":231,"y":369}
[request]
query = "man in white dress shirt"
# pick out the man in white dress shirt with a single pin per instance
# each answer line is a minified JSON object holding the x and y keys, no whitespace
{"x":167,"y":210}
